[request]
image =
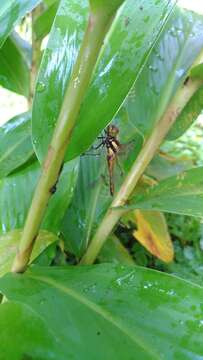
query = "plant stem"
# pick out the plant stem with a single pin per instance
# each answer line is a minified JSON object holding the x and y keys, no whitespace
{"x":145,"y":156}
{"x":36,"y":52}
{"x":98,"y":25}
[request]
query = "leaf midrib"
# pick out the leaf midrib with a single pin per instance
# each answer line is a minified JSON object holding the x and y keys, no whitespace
{"x":99,"y":311}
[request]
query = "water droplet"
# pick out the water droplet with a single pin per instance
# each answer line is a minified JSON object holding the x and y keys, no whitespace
{"x":160,"y":57}
{"x":180,"y":73}
{"x":42,"y":301}
{"x":126,"y":278}
{"x":173,"y":32}
{"x":76,"y":82}
{"x":40,"y":86}
{"x":146,"y":18}
{"x":153,"y":68}
{"x":171,"y":292}
{"x":201,"y":323}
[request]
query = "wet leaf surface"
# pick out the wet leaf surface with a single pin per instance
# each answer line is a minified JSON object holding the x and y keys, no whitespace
{"x":181,"y":194}
{"x":11,"y":12}
{"x":126,"y":309}
{"x":124,"y":52}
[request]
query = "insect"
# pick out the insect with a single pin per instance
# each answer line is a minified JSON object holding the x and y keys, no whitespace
{"x":113,"y":146}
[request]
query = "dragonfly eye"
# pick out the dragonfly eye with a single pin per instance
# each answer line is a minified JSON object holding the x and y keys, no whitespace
{"x":113,"y":130}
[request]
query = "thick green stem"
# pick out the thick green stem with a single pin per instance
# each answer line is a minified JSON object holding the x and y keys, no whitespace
{"x":147,"y":153}
{"x":98,"y":25}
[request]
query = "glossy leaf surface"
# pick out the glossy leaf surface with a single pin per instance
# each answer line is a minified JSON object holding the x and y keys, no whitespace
{"x":126,"y":309}
{"x":125,"y":49}
{"x":14,"y":75}
{"x":90,"y":201}
{"x":9,"y":245}
{"x":163,"y":166}
{"x":11,"y":12}
{"x":115,"y":252}
{"x":165,"y":69}
{"x":16,"y":193}
{"x":34,"y":339}
{"x":181,"y":194}
{"x":197,"y":72}
{"x":44,"y":22}
{"x":106,"y":7}
{"x":15,"y":143}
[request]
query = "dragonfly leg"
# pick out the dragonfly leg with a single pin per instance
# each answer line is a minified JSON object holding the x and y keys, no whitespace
{"x":98,"y":146}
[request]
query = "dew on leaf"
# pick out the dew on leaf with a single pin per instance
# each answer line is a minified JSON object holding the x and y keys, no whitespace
{"x":40,"y":86}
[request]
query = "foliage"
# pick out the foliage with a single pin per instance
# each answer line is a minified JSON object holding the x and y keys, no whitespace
{"x":136,"y":65}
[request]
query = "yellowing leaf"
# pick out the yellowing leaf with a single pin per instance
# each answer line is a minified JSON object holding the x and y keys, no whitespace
{"x":153,"y":234}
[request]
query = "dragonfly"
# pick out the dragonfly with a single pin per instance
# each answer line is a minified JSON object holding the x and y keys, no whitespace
{"x":113,"y":147}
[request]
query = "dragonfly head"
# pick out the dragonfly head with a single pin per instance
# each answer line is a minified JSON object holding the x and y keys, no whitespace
{"x":112,"y":130}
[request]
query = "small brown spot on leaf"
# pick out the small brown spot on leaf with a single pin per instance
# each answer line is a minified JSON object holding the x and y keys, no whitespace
{"x":127,"y":21}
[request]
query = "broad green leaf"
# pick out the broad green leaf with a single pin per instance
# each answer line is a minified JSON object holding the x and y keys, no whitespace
{"x":187,"y":117}
{"x":15,"y":143}
{"x":14,"y":75}
{"x":113,"y":251}
{"x":16,"y":193}
{"x":49,"y":2}
{"x":135,"y":313}
{"x":9,"y":246}
{"x":125,"y":49}
{"x":152,"y":233}
{"x":104,"y":6}
{"x":178,"y":46}
{"x":24,"y":47}
{"x":31,"y":334}
{"x":181,"y":194}
{"x":90,"y":201}
{"x":44,"y":22}
{"x":164,"y":165}
{"x":197,"y":72}
{"x":11,"y":12}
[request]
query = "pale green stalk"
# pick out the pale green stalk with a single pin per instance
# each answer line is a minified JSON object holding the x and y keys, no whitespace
{"x":98,"y":25}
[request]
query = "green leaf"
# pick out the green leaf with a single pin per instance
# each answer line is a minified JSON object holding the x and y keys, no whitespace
{"x":49,"y":2}
{"x":11,"y":12}
{"x":187,"y":117}
{"x":9,"y":246}
{"x":16,"y":192}
{"x":14,"y":75}
{"x":197,"y":72}
{"x":181,"y":194}
{"x":34,"y":339}
{"x":133,"y":33}
{"x":43,"y":23}
{"x":15,"y":143}
{"x":90,"y":201}
{"x":165,"y":69}
{"x":135,"y":313}
{"x":104,"y":6}
{"x":113,"y":251}
{"x":163,"y":166}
